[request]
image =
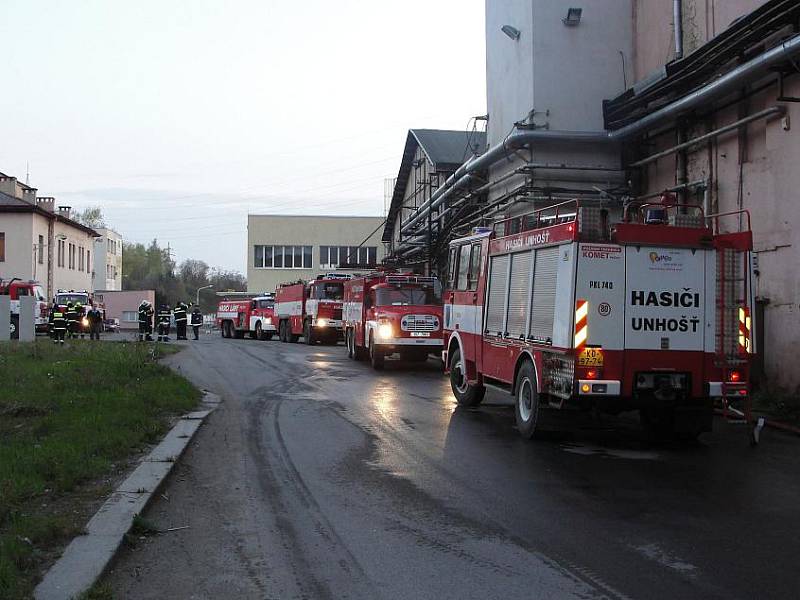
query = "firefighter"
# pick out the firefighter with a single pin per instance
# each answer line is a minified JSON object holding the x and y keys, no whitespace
{"x":163,"y":323}
{"x":145,"y":321}
{"x":80,"y":313}
{"x":95,"y":317}
{"x":58,"y":323}
{"x":197,"y":321}
{"x":180,"y":311}
{"x":72,"y":320}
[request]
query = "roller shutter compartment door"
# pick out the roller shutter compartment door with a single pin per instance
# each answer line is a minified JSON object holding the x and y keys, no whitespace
{"x":544,"y":293}
{"x":496,"y":299}
{"x":518,"y":298}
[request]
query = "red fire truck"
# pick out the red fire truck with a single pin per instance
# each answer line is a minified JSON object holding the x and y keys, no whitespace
{"x":387,"y":313}
{"x":15,"y":288}
{"x":312,"y":309}
{"x":254,"y":316}
{"x":566,"y":308}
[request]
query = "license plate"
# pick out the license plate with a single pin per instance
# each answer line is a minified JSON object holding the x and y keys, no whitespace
{"x":420,"y":334}
{"x":590,"y":357}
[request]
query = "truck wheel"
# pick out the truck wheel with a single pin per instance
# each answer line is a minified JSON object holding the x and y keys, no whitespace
{"x":227,"y":328}
{"x":527,"y":401}
{"x":14,"y":327}
{"x":223,"y":330}
{"x":282,"y":332}
{"x":375,"y":355}
{"x":259,"y":334}
{"x":308,"y":333}
{"x":349,"y":342}
{"x":465,"y":393}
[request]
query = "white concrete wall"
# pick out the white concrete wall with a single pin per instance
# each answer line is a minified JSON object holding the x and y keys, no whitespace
{"x":304,"y":231}
{"x":103,"y":277}
{"x":18,"y":229}
{"x":562,"y":73}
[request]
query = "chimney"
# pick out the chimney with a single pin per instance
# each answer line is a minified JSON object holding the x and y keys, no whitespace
{"x":47,"y":203}
{"x":64,"y":211}
{"x":29,"y":195}
{"x":8,"y":185}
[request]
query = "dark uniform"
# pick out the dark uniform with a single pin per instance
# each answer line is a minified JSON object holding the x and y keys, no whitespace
{"x":71,"y":315}
{"x":197,"y":321}
{"x":95,"y":322}
{"x":146,"y":321}
{"x":163,"y":323}
{"x":181,"y":318}
{"x":81,"y":312}
{"x":58,"y":324}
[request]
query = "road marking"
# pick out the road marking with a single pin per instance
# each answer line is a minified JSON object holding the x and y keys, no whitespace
{"x":656,"y":554}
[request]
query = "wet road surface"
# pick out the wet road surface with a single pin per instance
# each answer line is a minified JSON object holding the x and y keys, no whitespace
{"x":319,"y":478}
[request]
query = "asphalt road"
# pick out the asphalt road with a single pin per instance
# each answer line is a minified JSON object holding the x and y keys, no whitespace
{"x":318,"y":478}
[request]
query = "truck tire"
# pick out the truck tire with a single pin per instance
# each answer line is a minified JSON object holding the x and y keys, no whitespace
{"x":282,"y":332}
{"x":308,"y":333}
{"x":259,"y":333}
{"x":465,"y":393}
{"x":228,"y":326}
{"x":254,"y":334}
{"x":349,"y":342}
{"x":14,"y":327}
{"x":526,"y":401}
{"x":375,"y":355}
{"x":223,"y":329}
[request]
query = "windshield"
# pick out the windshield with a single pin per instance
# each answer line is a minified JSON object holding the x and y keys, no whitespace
{"x":328,"y":291}
{"x":39,"y":293}
{"x":64,"y":298}
{"x":406,"y":296}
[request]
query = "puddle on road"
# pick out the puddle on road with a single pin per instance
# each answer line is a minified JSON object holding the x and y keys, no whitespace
{"x":657,"y":554}
{"x":593,"y":450}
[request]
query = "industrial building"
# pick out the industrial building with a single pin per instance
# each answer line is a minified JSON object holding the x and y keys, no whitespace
{"x":618,"y":101}
{"x":283,"y":248}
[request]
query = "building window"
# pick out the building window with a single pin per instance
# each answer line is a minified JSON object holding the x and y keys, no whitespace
{"x":40,"y":250}
{"x":2,"y":246}
{"x":80,"y":258}
{"x":72,"y":257}
{"x":330,"y":257}
{"x":282,"y":257}
{"x":130,"y":316}
{"x":60,"y":253}
{"x":88,"y":262}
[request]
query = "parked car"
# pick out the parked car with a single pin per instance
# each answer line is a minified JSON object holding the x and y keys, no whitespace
{"x":111,"y":325}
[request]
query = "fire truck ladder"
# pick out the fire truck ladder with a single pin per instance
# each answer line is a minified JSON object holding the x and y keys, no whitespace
{"x":733,"y":325}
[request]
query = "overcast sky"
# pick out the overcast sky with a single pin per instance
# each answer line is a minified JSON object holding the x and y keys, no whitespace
{"x":180,"y":117}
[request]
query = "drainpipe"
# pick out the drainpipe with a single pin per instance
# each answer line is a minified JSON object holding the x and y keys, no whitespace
{"x":677,"y":19}
{"x":733,"y":80}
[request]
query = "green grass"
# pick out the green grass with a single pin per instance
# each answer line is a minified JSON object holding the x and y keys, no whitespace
{"x":66,"y":415}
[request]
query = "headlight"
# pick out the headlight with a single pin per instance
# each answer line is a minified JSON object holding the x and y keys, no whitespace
{"x":268,"y":321}
{"x":85,"y":322}
{"x":385,"y":331}
{"x":322,"y":322}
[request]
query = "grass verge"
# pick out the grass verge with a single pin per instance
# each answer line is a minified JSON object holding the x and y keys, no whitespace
{"x":67,"y":415}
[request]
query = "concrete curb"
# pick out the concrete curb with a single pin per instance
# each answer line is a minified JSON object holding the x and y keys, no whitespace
{"x":87,"y":556}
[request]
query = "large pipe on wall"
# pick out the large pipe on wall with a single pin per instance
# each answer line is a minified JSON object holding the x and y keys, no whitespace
{"x":744,"y":73}
{"x":677,"y":19}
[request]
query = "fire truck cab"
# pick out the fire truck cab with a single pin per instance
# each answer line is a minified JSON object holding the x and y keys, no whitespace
{"x":387,"y":313}
{"x":312,"y":309}
{"x":16,"y":288}
{"x":253,"y":316}
{"x":566,"y":308}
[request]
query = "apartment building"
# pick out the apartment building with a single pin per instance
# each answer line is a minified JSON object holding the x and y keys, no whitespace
{"x":108,"y":260}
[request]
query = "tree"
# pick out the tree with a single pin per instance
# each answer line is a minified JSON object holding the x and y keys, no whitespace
{"x":91,"y":217}
{"x":151,"y":268}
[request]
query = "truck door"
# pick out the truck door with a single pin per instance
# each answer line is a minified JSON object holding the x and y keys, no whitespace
{"x":462,"y":309}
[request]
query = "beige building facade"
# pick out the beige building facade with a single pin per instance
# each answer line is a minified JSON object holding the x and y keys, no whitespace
{"x":41,"y":242}
{"x":283,"y":248}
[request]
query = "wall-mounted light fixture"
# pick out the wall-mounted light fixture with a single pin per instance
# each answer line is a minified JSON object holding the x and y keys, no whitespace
{"x":573,"y":17}
{"x":511,"y":32}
